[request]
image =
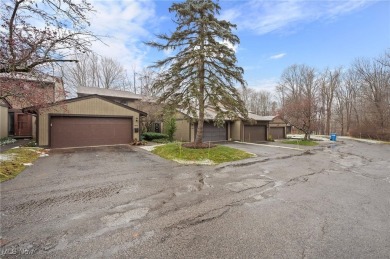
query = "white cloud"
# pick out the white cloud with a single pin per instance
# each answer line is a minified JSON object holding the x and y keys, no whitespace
{"x":278,"y":56}
{"x":230,"y":14}
{"x":262,"y":16}
{"x":268,"y":84}
{"x":230,"y":45}
{"x":125,"y":24}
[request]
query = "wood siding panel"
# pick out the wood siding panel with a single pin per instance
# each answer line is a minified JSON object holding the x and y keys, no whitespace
{"x":3,"y":122}
{"x":182,"y":130}
{"x":235,"y":130}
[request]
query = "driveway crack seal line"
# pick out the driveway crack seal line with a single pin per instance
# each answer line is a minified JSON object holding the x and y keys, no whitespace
{"x":256,"y":187}
{"x":249,"y":163}
{"x":225,"y":208}
{"x":297,"y":179}
{"x":203,"y":218}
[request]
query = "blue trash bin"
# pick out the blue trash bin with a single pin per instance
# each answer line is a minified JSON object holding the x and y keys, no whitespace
{"x":333,"y":137}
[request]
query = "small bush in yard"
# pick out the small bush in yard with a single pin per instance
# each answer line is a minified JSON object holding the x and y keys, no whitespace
{"x":31,"y":143}
{"x":170,"y":127}
{"x":161,"y":141}
{"x":6,"y":140}
{"x":153,"y":135}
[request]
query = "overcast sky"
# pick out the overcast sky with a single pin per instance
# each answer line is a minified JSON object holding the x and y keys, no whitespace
{"x":273,"y":34}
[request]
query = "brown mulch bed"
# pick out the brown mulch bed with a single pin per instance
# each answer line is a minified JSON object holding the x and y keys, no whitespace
{"x":194,"y":145}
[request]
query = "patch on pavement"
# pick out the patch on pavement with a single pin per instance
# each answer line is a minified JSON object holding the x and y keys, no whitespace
{"x":246,"y":184}
{"x":125,"y":217}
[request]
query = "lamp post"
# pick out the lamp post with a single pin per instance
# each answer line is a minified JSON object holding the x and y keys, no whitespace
{"x":135,"y":87}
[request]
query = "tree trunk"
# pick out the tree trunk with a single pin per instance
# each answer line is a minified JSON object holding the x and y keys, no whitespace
{"x":199,"y":132}
{"x":328,"y":118}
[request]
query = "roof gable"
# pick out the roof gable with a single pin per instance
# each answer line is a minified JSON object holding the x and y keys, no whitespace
{"x":83,"y":91}
{"x":256,"y":117}
{"x":77,"y":99}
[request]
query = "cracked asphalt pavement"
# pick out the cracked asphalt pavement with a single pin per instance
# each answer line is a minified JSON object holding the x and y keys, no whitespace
{"x":330,"y":201}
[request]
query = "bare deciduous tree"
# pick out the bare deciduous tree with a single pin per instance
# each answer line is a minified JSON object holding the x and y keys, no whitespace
{"x":95,"y":71}
{"x":258,"y":101}
{"x":358,"y":101}
{"x":330,"y":82}
{"x":35,"y":34}
{"x":146,"y":79}
{"x":112,"y":73}
{"x":374,"y":80}
{"x":346,"y":101}
{"x":298,"y":89}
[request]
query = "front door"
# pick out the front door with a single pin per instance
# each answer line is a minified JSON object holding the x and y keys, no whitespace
{"x":22,"y":124}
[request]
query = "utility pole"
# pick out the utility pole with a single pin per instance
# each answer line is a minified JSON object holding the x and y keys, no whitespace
{"x":135,"y":88}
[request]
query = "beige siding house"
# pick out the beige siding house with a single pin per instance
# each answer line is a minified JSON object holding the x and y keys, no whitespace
{"x":87,"y":121}
{"x":256,"y":129}
{"x":153,"y":122}
{"x":184,"y":128}
{"x":279,"y":128}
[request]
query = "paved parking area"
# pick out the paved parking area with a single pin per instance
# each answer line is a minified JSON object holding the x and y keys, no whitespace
{"x":124,"y":202}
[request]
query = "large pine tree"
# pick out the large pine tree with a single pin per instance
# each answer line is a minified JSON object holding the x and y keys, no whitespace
{"x":202,"y":69}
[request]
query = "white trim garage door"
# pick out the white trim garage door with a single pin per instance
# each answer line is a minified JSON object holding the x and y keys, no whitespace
{"x":79,"y":131}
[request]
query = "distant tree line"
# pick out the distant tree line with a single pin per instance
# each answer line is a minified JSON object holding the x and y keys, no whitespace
{"x":259,"y":102}
{"x":353,"y":101}
{"x":93,"y":70}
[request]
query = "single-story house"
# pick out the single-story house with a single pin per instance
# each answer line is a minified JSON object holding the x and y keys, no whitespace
{"x":256,"y":129}
{"x":87,"y":121}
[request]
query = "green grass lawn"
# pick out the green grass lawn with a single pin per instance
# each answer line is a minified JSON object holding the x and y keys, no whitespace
{"x":217,"y":155}
{"x":300,"y":142}
{"x":15,"y":158}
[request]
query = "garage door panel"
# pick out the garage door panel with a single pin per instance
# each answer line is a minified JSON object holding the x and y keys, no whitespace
{"x":277,"y":132}
{"x":213,"y":133}
{"x":89,"y":131}
{"x":254,"y":133}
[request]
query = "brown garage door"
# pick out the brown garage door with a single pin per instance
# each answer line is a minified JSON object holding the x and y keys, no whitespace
{"x":89,"y":131}
{"x":254,"y":133}
{"x":212,"y":132}
{"x":277,"y":132}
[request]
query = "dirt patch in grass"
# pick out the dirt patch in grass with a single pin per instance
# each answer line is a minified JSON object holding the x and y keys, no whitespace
{"x":13,"y":161}
{"x":217,"y":154}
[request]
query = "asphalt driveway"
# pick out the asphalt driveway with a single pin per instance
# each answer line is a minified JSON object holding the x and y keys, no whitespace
{"x":124,"y":202}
